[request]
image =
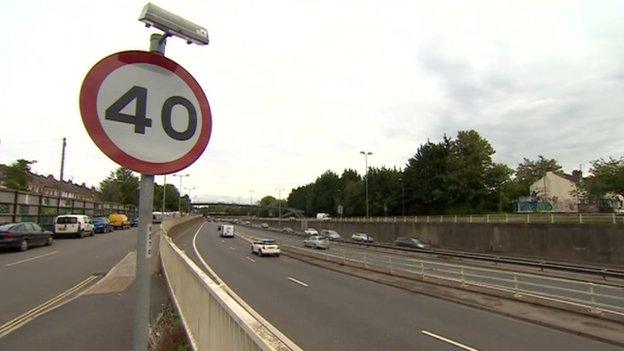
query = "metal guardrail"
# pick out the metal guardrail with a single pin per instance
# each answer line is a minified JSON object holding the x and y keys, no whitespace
{"x":528,"y":218}
{"x":212,"y":318}
{"x":604,"y":272}
{"x":591,"y":296}
{"x":542,"y":264}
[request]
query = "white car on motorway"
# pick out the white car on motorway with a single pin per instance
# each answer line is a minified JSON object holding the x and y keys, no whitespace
{"x":316,"y":242}
{"x":310,"y":231}
{"x":330,"y":234}
{"x":263,"y":247}
{"x":362,"y":237}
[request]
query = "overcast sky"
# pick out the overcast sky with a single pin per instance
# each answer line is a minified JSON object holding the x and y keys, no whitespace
{"x":299,"y":87}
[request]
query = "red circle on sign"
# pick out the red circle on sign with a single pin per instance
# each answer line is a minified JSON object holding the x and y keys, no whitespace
{"x":88,"y":109}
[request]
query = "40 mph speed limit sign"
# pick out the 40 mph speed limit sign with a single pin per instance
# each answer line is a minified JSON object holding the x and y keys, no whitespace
{"x":145,"y":112}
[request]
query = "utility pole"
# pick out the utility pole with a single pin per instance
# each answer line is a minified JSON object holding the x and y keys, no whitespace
{"x":164,"y":197}
{"x":60,"y":190}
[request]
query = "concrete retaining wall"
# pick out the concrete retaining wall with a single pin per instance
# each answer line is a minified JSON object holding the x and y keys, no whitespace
{"x":595,"y":244}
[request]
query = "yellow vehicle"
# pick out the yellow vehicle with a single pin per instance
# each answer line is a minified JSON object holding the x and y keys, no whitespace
{"x":119,"y":221}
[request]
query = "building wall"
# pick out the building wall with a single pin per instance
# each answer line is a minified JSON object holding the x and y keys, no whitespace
{"x":558,"y":191}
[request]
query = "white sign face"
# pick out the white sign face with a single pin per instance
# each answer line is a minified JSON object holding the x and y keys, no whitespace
{"x":145,"y":112}
{"x":147,"y":135}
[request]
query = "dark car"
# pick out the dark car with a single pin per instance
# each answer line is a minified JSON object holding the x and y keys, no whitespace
{"x":410,"y":242}
{"x":102,"y":225}
{"x":135,"y":222}
{"x":23,"y":235}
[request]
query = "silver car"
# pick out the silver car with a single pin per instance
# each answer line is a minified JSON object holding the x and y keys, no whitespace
{"x":362,"y":237}
{"x":330,"y":234}
{"x":316,"y":242}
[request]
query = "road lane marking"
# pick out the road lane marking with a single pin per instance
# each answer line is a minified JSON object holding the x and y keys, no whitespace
{"x":460,"y":345}
{"x":201,"y":259}
{"x":297,"y":281}
{"x":45,"y":307}
{"x":32,"y":258}
{"x":231,"y":248}
{"x":251,"y":259}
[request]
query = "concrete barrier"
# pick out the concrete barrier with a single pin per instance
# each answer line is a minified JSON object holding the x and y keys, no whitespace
{"x":212,"y":318}
{"x":585,"y":243}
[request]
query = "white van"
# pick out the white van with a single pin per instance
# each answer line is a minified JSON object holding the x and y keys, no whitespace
{"x":78,"y":225}
{"x":226,"y":230}
{"x":323,"y":217}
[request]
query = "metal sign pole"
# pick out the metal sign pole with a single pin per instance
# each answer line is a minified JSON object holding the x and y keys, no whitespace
{"x":144,"y":242}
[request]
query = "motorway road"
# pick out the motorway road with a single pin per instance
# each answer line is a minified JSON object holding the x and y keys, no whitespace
{"x":321,"y":309}
{"x":609,"y":296}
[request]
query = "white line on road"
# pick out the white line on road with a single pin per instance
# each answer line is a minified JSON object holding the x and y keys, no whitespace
{"x":297,"y":281}
{"x":32,"y":258}
{"x":231,"y":248}
{"x":251,"y":259}
{"x":448,"y":341}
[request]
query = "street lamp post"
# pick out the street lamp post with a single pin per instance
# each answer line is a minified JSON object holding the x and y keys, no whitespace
{"x":250,"y":201}
{"x":402,"y":197}
{"x":180,"y":191}
{"x":279,"y":205}
{"x":189,"y":195}
{"x":366,"y":153}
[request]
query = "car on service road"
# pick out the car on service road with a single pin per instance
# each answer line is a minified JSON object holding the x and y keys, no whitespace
{"x":23,"y":235}
{"x":316,"y":242}
{"x":75,"y":225}
{"x":264,"y":225}
{"x":263,"y":247}
{"x":410,"y":242}
{"x":288,"y":230}
{"x":119,"y":221}
{"x":330,"y":234}
{"x":362,"y":237}
{"x":102,"y":225}
{"x":310,"y":231}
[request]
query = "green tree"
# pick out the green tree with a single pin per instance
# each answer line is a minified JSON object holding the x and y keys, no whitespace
{"x":470,"y":158}
{"x":351,"y":195}
{"x":424,"y":179}
{"x":326,"y":193}
{"x":498,"y":184}
{"x":171,"y":197}
{"x":302,"y":198}
{"x":384,"y":191}
{"x":17,"y":175}
{"x":529,"y":171}
{"x":607,"y":177}
{"x":121,"y":186}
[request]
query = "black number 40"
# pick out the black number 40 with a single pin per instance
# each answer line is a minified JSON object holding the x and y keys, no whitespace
{"x":140,"y":120}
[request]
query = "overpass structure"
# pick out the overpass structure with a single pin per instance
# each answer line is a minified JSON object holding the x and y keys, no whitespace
{"x":283,"y":212}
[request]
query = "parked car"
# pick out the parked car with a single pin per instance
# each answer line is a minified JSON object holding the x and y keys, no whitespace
{"x":119,"y":221}
{"x":362,"y":237}
{"x":330,"y":234}
{"x":316,"y":242}
{"x":310,"y":231}
{"x":102,"y":225}
{"x":135,"y":222}
{"x":247,"y":223}
{"x":410,"y":242}
{"x":76,"y":225}
{"x":288,"y":230}
{"x":263,"y":247}
{"x":264,"y":225}
{"x":23,"y":235}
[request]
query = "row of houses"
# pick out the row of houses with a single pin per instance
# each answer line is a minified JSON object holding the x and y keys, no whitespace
{"x":51,"y":187}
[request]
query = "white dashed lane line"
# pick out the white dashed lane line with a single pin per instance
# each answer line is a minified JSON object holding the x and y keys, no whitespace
{"x":452,"y":342}
{"x":297,"y":281}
